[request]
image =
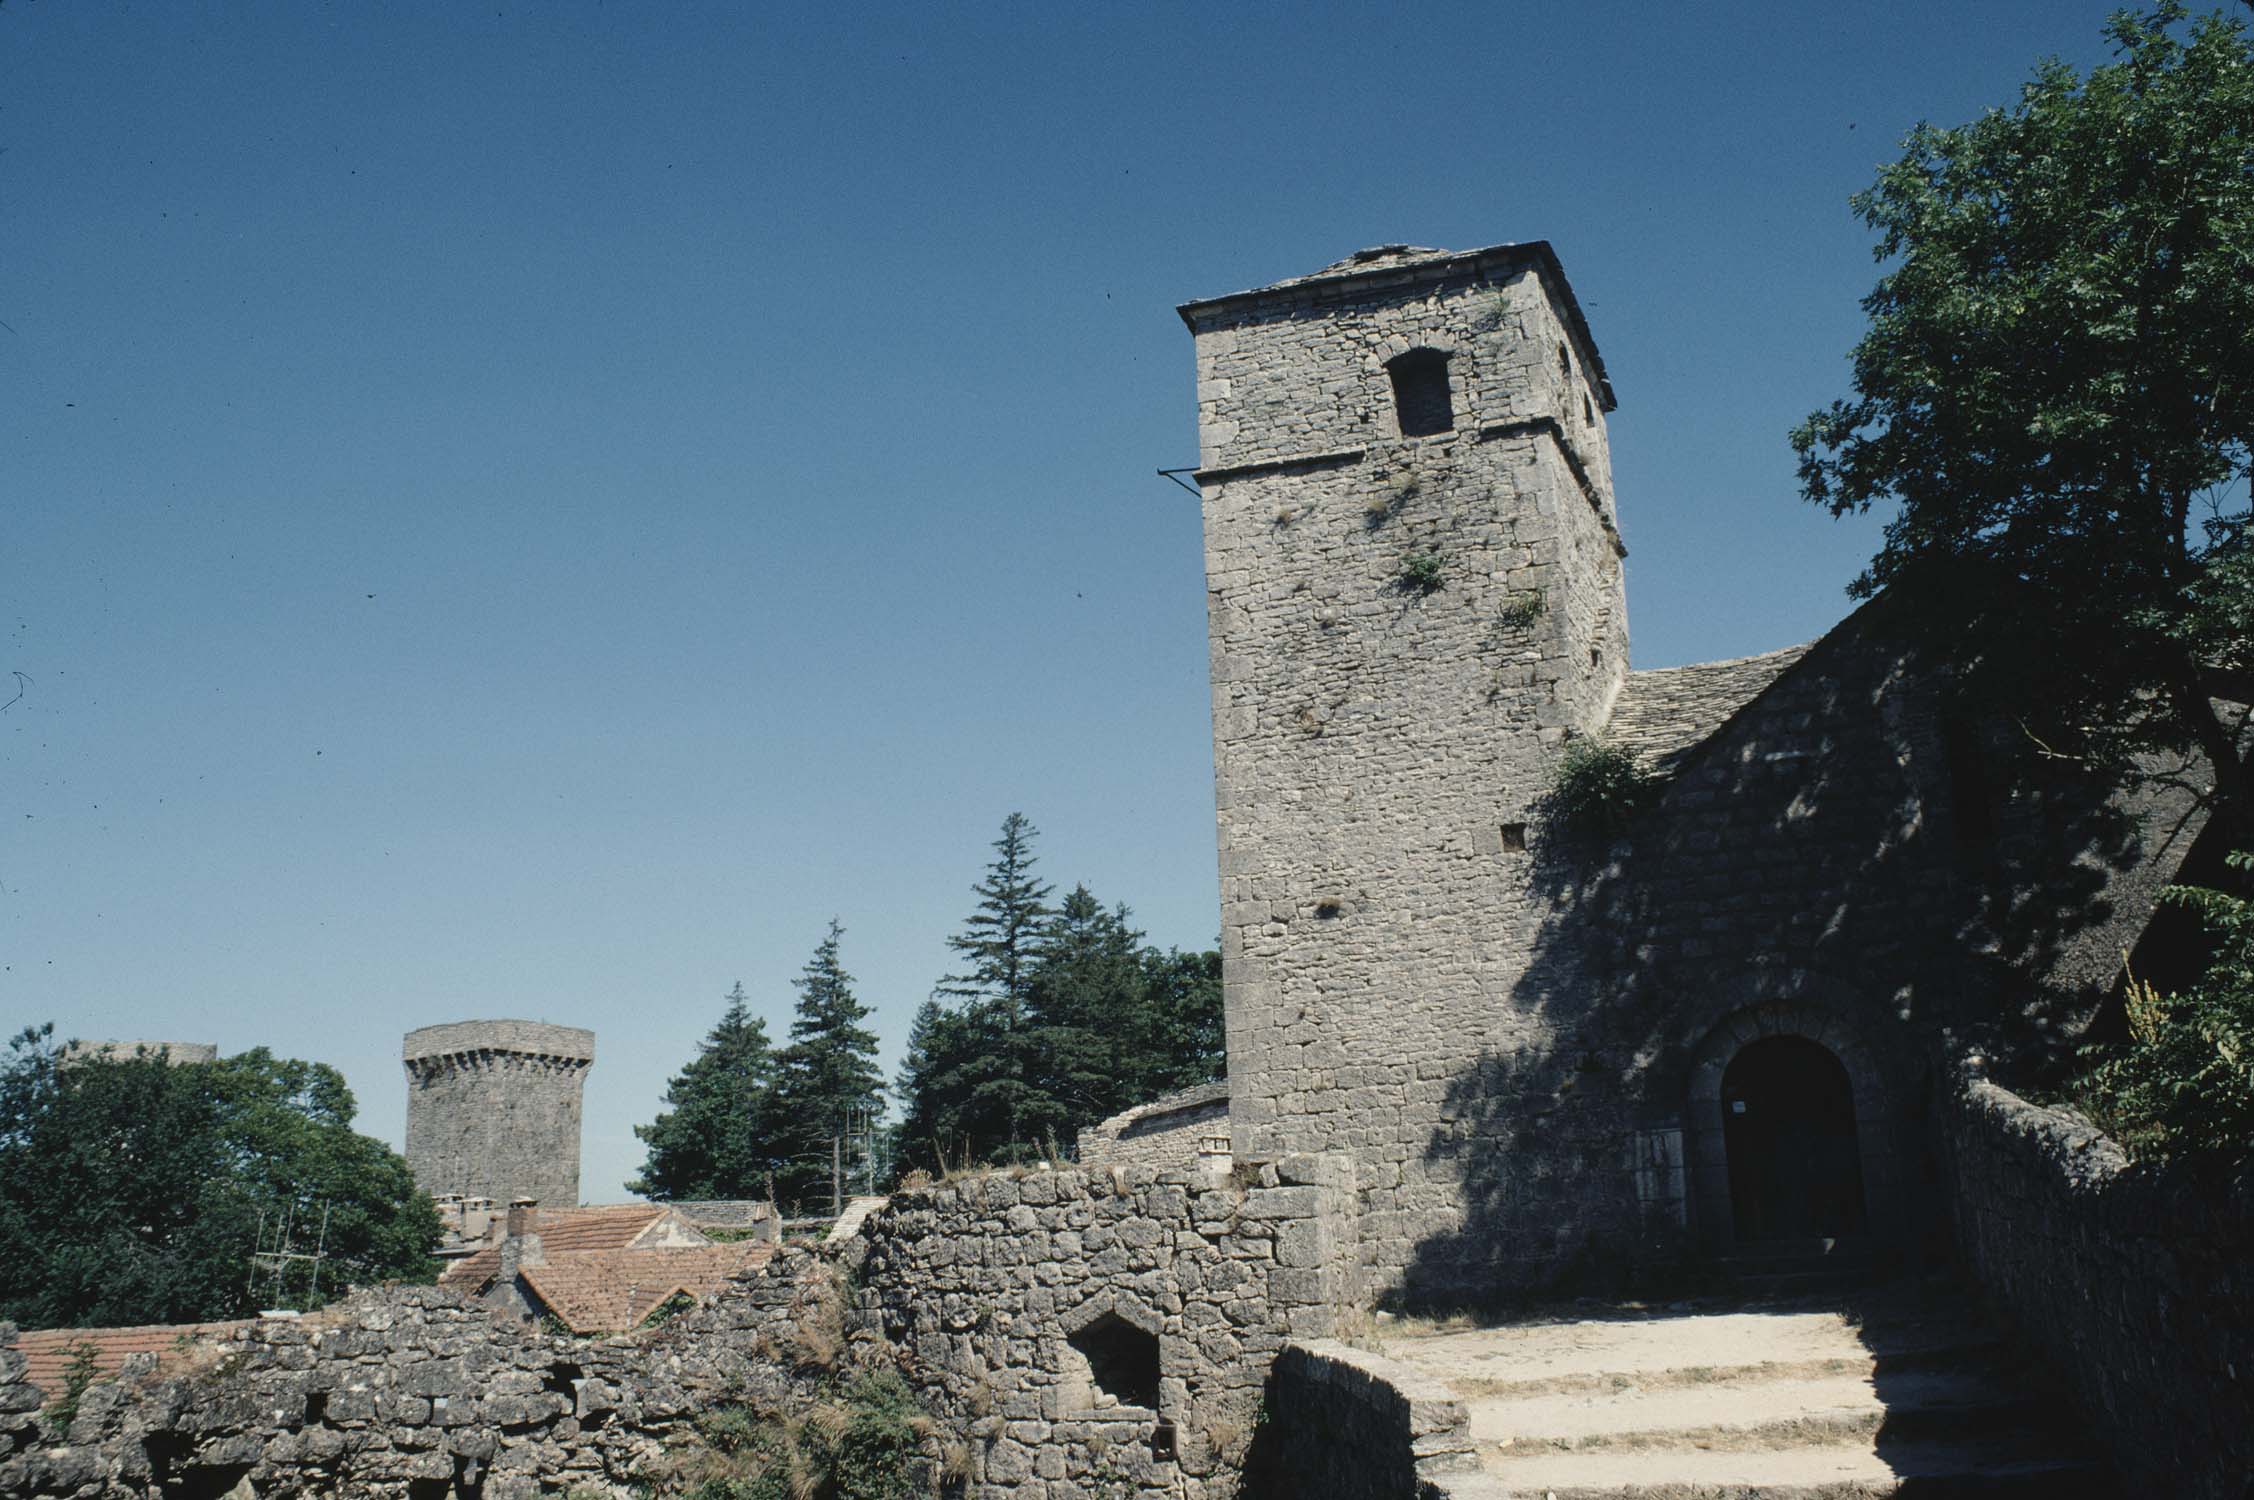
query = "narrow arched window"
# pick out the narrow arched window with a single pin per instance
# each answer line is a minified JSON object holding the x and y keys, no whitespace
{"x":1420,"y":392}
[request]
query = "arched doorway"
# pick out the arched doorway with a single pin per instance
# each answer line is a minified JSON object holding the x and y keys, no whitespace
{"x":1788,"y":1126}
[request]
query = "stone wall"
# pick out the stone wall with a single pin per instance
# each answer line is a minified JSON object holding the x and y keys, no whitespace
{"x":1380,"y":747}
{"x":1022,"y":1303}
{"x":493,"y":1109}
{"x":1346,"y":1424}
{"x":409,"y":1391}
{"x":1176,"y":1131}
{"x":2136,"y":1289}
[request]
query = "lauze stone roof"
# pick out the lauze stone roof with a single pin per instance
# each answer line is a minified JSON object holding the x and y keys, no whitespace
{"x":1664,"y":714}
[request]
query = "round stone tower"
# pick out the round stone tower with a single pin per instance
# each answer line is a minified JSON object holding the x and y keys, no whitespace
{"x":493,"y":1109}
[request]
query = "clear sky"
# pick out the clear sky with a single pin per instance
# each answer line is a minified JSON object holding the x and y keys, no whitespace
{"x":530,"y":511}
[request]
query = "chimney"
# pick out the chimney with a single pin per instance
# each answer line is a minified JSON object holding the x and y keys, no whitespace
{"x":520,"y":1244}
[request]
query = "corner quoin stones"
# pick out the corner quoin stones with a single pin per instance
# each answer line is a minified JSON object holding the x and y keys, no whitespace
{"x":493,"y":1109}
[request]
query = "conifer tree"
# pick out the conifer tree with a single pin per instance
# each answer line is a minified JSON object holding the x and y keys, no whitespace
{"x":827,"y":1075}
{"x":713,"y":1140}
{"x":983,"y":1083}
{"x":1086,"y":1013}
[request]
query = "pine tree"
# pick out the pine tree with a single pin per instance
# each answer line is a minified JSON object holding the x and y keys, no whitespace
{"x":713,"y":1140}
{"x":1087,"y":1004}
{"x":827,"y":1075}
{"x":929,"y":1135}
{"x":982,"y":1080}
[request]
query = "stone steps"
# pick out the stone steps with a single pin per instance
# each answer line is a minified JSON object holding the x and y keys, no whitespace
{"x":1903,"y":1393}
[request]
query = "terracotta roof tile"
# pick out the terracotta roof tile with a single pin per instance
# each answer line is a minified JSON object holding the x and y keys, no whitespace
{"x":48,"y":1352}
{"x":612,"y":1226}
{"x":611,"y":1291}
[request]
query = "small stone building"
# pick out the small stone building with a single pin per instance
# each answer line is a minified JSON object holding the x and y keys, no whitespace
{"x":1703,"y":1031}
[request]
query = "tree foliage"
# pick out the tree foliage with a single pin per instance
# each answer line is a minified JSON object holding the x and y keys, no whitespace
{"x":2056,"y":394}
{"x":135,"y":1191}
{"x":713,"y":1140}
{"x":825,"y":1076}
{"x":2182,"y":1086}
{"x":1066,"y":1017}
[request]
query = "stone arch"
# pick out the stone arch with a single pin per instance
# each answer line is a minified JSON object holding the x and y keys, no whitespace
{"x":1833,"y":1016}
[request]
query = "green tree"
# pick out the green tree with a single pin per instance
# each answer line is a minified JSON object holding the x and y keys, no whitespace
{"x":827,"y":1075}
{"x":1183,"y":1040}
{"x":2056,"y":394}
{"x":2182,"y":1086}
{"x":983,"y":1080}
{"x":713,"y":1139}
{"x":930,"y":1133}
{"x":1086,"y":1005}
{"x":134,"y":1191}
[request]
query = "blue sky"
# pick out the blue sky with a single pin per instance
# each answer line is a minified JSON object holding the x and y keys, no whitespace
{"x":530,"y":511}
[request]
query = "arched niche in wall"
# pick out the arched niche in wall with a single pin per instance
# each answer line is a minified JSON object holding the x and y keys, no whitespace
{"x":1109,"y":1358}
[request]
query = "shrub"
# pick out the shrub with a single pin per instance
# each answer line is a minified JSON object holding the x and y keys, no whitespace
{"x":1596,"y":791}
{"x":1421,"y":573}
{"x":2182,"y":1086}
{"x":858,"y":1443}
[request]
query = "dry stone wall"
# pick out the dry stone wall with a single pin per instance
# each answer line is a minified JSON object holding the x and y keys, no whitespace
{"x":2137,"y":1289}
{"x":1024,"y":1305}
{"x":410,"y":1391}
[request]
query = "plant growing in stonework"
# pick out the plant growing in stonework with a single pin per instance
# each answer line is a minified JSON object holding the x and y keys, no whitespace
{"x":1596,"y":791}
{"x":77,"y":1376}
{"x":2182,"y":1086}
{"x":1521,"y":610}
{"x":1421,"y":573}
{"x":860,"y":1441}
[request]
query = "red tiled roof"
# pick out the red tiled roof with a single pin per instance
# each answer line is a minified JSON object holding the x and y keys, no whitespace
{"x":49,"y":1352}
{"x":613,"y":1226}
{"x":611,"y":1291}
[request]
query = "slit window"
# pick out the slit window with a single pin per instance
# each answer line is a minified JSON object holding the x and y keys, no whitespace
{"x":1420,"y":392}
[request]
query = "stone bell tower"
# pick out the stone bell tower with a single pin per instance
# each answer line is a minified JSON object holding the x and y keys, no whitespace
{"x":1413,"y":574}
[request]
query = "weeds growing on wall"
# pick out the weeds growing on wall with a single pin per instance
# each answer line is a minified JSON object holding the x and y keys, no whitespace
{"x":1521,"y":610}
{"x":77,"y":1376}
{"x":2182,"y":1086}
{"x":1421,"y":573}
{"x":861,"y":1441}
{"x":1596,"y":791}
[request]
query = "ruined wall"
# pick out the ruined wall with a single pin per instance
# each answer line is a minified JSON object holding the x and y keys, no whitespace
{"x":408,"y":1391}
{"x":1008,"y":1293}
{"x":1347,"y":1424}
{"x":1179,"y":1130}
{"x":1379,"y":748}
{"x":2135,"y":1288}
{"x":493,"y":1109}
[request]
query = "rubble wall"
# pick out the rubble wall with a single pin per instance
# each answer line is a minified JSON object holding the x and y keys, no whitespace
{"x":2137,"y":1289}
{"x":994,"y":1288}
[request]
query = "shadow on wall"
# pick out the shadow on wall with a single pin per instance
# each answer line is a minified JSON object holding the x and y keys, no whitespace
{"x":1825,"y":865}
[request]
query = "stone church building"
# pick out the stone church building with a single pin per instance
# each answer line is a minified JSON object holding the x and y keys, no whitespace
{"x":1708,"y":1031}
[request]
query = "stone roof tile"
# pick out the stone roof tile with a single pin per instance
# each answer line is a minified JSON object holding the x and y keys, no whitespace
{"x":1664,"y":714}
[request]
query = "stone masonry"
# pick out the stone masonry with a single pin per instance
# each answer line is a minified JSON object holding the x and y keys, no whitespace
{"x":493,"y":1109}
{"x":1380,"y":743}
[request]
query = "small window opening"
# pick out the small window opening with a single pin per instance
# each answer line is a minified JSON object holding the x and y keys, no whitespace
{"x":1588,"y":413}
{"x":1328,"y":910}
{"x":1420,"y":392}
{"x":1122,"y":1363}
{"x":1564,"y":362}
{"x":1514,"y":838}
{"x":1162,"y":1445}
